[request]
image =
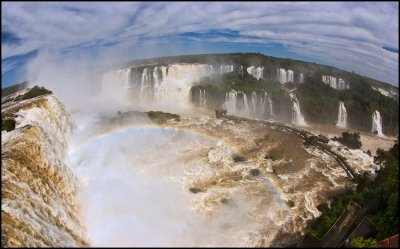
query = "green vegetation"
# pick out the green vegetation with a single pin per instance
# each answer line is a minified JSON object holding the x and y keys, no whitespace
{"x":320,"y":103}
{"x":33,"y":92}
{"x":379,"y":197}
{"x":160,"y":117}
{"x":12,"y":89}
{"x":217,"y":87}
{"x":360,"y":242}
{"x":350,"y":140}
{"x":8,"y":124}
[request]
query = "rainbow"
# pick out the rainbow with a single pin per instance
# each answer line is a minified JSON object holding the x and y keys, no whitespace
{"x":134,"y":127}
{"x":146,"y":126}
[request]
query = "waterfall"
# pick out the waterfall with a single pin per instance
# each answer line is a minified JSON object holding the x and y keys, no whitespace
{"x":246,"y":104}
{"x":260,"y":73}
{"x":329,"y":80}
{"x":290,"y":76}
{"x":203,"y":98}
{"x":261,"y":104}
{"x":39,"y":205}
{"x":341,"y":84}
{"x":377,"y":123}
{"x":230,"y":101}
{"x":226,"y":69}
{"x":297,"y":117}
{"x":158,"y":82}
{"x":163,"y":84}
{"x":254,"y":102}
{"x":268,"y":98}
{"x":301,"y":78}
{"x":282,"y":76}
{"x":241,"y":70}
{"x":342,"y":116}
{"x":144,"y":84}
{"x":256,"y":72}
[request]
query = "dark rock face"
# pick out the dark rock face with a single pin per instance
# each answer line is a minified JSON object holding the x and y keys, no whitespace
{"x":220,"y":113}
{"x":323,"y":139}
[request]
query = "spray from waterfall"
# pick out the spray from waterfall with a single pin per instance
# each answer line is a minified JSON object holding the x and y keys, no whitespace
{"x":342,"y":116}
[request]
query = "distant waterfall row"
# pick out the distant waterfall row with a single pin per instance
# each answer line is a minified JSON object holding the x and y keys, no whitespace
{"x":376,"y":120}
{"x":256,"y":72}
{"x":284,"y":76}
{"x":339,"y":84}
{"x":260,"y":106}
{"x":154,"y":83}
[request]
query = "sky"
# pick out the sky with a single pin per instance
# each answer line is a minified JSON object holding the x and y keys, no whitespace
{"x":354,"y":36}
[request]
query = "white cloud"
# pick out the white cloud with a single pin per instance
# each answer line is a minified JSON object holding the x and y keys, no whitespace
{"x":347,"y":35}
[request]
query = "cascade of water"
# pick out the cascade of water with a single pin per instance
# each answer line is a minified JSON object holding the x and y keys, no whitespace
{"x":226,"y":69}
{"x":156,"y":82}
{"x":143,"y":83}
{"x":246,"y":104}
{"x":290,"y":76}
{"x":259,"y":73}
{"x":39,"y":205}
{"x":297,"y":117}
{"x":268,"y":98}
{"x":256,"y":72}
{"x":329,"y":80}
{"x":342,"y":116}
{"x":341,"y":84}
{"x":241,"y":70}
{"x":377,"y":123}
{"x":261,"y":104}
{"x":282,"y":76}
{"x":203,"y":98}
{"x":254,"y":101}
{"x":230,"y":101}
{"x":301,"y":78}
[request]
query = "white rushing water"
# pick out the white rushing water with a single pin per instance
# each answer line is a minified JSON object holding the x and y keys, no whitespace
{"x":282,"y":77}
{"x":39,"y":203}
{"x":297,"y":117}
{"x":241,"y":70}
{"x":162,"y":85}
{"x":203,"y":98}
{"x":377,"y":123}
{"x":259,"y":107}
{"x":226,"y":69}
{"x":256,"y":72}
{"x":342,"y":116}
{"x":290,"y":75}
{"x":136,"y":190}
